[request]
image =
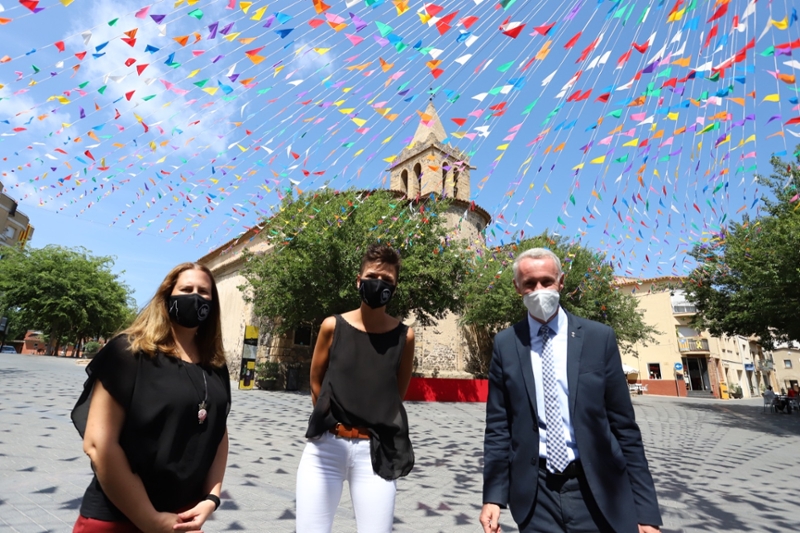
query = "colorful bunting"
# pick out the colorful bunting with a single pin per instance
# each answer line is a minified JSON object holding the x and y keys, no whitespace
{"x":649,"y":154}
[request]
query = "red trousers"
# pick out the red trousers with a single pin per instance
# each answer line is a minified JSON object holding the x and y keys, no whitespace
{"x":91,"y":525}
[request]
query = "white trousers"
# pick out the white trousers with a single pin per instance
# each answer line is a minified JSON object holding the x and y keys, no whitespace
{"x":326,"y":463}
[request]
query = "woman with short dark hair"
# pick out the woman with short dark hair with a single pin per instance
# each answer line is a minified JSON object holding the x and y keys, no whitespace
{"x":153,"y":414}
{"x":358,"y":430}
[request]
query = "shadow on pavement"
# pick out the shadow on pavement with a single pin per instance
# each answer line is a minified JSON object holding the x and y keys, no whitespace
{"x":737,"y":512}
{"x":701,"y":487}
{"x":751,"y":417}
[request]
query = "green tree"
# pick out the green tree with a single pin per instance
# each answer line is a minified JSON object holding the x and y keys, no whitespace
{"x":15,"y":328}
{"x":67,"y":293}
{"x":491,"y":303}
{"x":317,"y":243}
{"x":747,"y":279}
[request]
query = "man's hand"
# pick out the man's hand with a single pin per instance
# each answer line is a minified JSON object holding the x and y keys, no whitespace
{"x":490,"y":518}
{"x":648,"y":529}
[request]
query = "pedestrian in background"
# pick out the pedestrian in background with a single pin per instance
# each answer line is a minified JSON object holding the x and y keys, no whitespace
{"x":358,"y":430}
{"x":153,"y":414}
{"x":562,"y":448}
{"x":773,"y":399}
{"x":794,"y":396}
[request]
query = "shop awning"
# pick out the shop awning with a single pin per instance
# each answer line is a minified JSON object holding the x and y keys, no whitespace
{"x":629,"y":369}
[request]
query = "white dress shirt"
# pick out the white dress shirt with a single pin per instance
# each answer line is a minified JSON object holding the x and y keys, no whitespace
{"x":558,"y":337}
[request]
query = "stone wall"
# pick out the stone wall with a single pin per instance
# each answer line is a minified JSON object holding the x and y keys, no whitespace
{"x":293,"y":360}
{"x":441,"y":349}
{"x":468,"y":224}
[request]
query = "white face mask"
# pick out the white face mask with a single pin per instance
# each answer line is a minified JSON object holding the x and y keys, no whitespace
{"x":542,"y":304}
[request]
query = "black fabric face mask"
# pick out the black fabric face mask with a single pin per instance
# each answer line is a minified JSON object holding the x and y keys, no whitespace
{"x":189,"y":310}
{"x":376,"y":292}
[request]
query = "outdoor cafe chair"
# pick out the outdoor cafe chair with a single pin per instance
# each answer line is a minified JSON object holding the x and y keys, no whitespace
{"x":770,"y":404}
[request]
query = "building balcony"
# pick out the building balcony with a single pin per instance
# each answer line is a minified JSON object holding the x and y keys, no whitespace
{"x":684,"y":309}
{"x":693,"y":345}
{"x":765,"y":365}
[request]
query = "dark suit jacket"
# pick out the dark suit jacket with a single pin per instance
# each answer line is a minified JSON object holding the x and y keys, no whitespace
{"x":608,"y":438}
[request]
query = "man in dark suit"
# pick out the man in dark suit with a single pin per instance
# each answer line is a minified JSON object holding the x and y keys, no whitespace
{"x":562,"y":448}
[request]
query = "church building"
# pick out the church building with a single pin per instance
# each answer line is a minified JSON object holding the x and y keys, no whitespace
{"x":428,"y":165}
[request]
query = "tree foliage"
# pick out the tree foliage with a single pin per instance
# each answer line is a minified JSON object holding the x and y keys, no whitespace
{"x":92,"y":347}
{"x":67,"y":293}
{"x":491,"y":302}
{"x":318,"y":240}
{"x":15,"y":328}
{"x":747,"y":281}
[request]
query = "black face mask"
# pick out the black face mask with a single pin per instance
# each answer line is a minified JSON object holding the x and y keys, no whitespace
{"x":376,"y":292}
{"x":189,"y":310}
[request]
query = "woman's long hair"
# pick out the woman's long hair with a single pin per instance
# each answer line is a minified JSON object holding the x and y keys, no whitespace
{"x":151,"y":332}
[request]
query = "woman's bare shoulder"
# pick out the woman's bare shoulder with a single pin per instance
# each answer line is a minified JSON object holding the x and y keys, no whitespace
{"x":328,"y":325}
{"x":350,"y":316}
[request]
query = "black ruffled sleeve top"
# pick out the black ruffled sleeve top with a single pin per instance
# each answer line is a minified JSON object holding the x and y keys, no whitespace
{"x":161,"y":437}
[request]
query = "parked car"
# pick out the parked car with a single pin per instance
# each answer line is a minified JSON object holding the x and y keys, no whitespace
{"x":7,"y":349}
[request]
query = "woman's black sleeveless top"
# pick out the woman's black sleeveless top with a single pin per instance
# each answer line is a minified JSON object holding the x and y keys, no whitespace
{"x":360,"y":389}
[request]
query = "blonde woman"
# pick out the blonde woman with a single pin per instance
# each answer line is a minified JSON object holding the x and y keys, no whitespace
{"x":153,"y":414}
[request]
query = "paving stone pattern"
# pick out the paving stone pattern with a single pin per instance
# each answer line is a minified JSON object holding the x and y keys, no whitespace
{"x":718,"y":466}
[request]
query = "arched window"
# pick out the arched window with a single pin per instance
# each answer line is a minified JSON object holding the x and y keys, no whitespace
{"x":418,"y":176}
{"x":444,"y":180}
{"x":404,"y":180}
{"x":455,"y":182}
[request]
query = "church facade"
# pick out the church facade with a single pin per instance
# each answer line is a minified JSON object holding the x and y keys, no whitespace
{"x":427,"y":166}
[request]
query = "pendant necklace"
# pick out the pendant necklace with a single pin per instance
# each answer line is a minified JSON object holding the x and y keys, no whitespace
{"x":202,"y":407}
{"x":202,"y":413}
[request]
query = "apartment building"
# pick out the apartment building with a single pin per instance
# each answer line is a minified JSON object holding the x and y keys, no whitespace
{"x":15,"y":227}
{"x":786,"y":357}
{"x":685,"y":361}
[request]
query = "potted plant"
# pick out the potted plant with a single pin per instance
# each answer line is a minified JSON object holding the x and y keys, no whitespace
{"x":736,"y":392}
{"x":267,"y":374}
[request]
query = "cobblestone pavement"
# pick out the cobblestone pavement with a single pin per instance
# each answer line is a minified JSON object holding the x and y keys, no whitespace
{"x":718,"y":466}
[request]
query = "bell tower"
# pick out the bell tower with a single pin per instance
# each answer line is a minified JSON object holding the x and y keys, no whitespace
{"x":429,"y":165}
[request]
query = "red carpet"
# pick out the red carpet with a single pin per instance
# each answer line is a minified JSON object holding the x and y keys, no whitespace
{"x":447,"y":390}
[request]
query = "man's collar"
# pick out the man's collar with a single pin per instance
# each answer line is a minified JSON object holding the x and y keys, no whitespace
{"x":556,"y":323}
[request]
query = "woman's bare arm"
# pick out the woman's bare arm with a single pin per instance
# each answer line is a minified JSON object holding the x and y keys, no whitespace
{"x":319,"y":361}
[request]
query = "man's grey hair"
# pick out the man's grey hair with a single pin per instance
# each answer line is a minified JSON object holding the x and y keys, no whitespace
{"x":536,"y":253}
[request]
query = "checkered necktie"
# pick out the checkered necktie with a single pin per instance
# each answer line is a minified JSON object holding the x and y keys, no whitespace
{"x":557,"y":459}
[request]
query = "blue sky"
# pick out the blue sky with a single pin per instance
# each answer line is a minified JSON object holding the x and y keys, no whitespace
{"x":166,"y":153}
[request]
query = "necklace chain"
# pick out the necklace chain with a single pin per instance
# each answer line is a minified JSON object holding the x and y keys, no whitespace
{"x":202,"y":407}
